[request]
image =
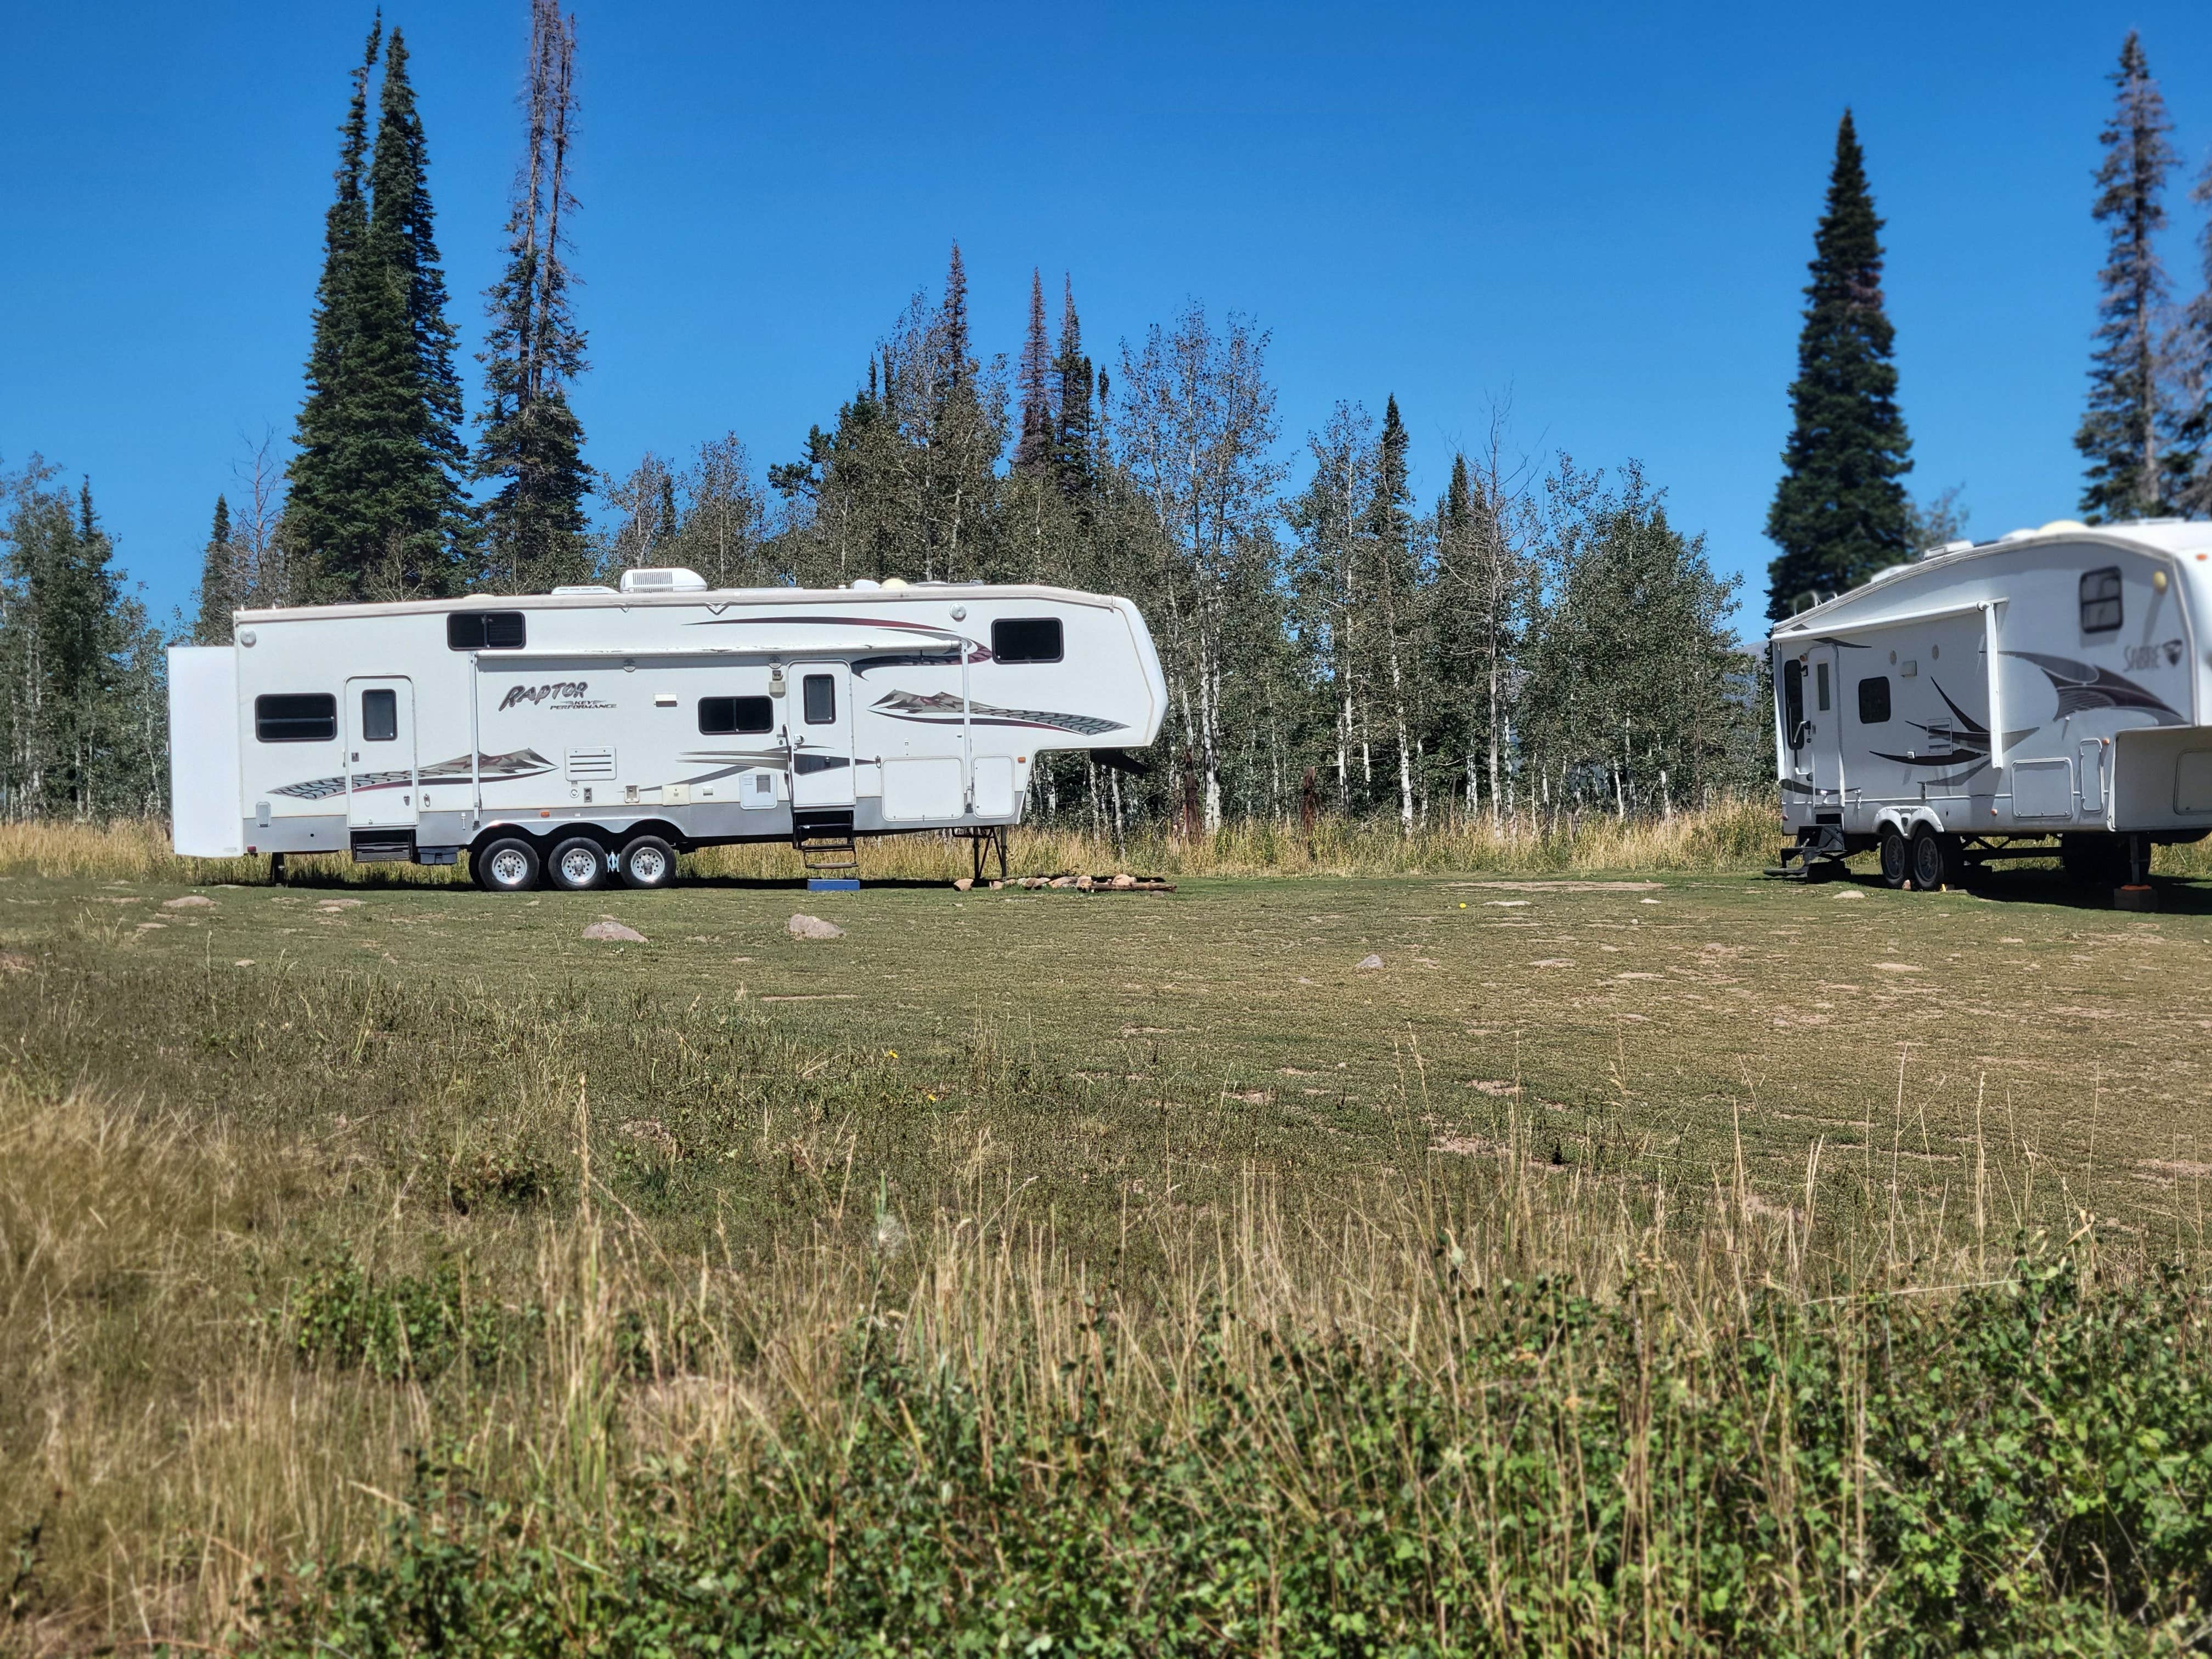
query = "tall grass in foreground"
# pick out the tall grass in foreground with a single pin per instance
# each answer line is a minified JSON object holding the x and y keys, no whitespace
{"x":1734,"y":836}
{"x":1475,"y":1403}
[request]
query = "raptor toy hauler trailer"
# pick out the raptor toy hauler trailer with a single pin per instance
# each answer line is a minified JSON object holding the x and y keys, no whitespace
{"x":1992,"y":698}
{"x":594,"y":732}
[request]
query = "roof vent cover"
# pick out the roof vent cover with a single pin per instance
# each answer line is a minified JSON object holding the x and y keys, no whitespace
{"x":670,"y":579}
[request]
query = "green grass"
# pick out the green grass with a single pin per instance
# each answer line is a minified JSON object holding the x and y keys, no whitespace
{"x":405,"y":1227}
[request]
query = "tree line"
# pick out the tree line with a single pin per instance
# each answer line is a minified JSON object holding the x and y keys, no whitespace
{"x":1533,"y":642}
{"x":1538,"y":639}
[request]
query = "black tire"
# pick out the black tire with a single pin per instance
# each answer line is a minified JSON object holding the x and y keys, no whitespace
{"x":648,"y":861}
{"x":1896,"y":858}
{"x":509,"y":865}
{"x":578,"y":864}
{"x":1935,"y":861}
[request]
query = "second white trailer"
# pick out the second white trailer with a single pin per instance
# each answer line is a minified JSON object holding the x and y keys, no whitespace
{"x":2048,"y":691}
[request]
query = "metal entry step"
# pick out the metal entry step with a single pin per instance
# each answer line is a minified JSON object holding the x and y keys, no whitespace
{"x":826,"y":845}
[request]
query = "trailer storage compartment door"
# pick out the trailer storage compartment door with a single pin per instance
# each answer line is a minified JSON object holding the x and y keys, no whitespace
{"x":206,"y":818}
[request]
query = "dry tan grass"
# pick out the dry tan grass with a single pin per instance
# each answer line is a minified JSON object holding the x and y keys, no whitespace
{"x":1736,"y":835}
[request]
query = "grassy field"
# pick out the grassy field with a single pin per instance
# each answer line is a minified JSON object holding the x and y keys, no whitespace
{"x":1141,"y":1268}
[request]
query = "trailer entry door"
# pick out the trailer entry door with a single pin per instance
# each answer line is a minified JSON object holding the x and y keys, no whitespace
{"x":1821,"y":754}
{"x":382,"y":789}
{"x":818,"y":722}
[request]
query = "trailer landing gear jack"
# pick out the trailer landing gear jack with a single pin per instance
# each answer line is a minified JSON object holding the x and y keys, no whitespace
{"x":1817,"y":854}
{"x":2137,"y":893}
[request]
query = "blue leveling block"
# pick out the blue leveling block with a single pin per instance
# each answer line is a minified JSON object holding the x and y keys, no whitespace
{"x":833,"y":885}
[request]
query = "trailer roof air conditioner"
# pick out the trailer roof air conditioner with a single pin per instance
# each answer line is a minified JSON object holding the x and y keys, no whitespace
{"x":672,"y":580}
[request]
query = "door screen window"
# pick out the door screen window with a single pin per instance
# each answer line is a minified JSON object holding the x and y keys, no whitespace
{"x":820,"y":692}
{"x":380,"y":716}
{"x":1820,"y":686}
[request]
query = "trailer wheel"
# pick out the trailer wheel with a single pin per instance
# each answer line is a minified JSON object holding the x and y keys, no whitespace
{"x":578,"y":864}
{"x":508,"y":865}
{"x":1896,"y":858}
{"x":1935,"y":861}
{"x":649,"y":861}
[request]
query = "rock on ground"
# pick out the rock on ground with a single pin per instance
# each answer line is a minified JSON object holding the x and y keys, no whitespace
{"x":802,"y":926}
{"x":190,"y":902}
{"x":608,"y":927}
{"x":1367,"y":962}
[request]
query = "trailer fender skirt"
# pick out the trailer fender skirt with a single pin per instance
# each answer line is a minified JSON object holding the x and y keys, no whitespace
{"x":1906,"y":819}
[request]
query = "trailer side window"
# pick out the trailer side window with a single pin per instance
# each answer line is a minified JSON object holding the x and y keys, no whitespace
{"x":1793,"y":699}
{"x":1873,"y":700}
{"x":821,"y":694}
{"x":310,"y":717}
{"x":722,"y":716}
{"x":2100,"y":600}
{"x":380,"y":716}
{"x":485,"y":630}
{"x":1026,"y":639}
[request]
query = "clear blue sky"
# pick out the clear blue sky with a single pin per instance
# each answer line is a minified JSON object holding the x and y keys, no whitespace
{"x":1603,"y":209}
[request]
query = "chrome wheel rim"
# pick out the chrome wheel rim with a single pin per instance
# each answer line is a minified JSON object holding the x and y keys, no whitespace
{"x":648,"y":866}
{"x":509,"y":868}
{"x":578,"y":866}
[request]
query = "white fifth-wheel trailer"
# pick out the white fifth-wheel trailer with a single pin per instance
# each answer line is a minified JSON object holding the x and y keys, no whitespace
{"x":2047,"y":692}
{"x":594,"y":733}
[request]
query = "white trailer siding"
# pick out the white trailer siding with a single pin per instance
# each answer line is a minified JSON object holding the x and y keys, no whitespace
{"x":687,"y":715}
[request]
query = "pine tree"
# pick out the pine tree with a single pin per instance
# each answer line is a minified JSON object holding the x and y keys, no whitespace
{"x":218,"y":593}
{"x":378,"y":483}
{"x":411,"y":451}
{"x":1074,"y":431}
{"x":2120,"y":432}
{"x":2189,"y":457}
{"x":664,"y":522}
{"x":1839,"y":513}
{"x":966,"y":434}
{"x":1395,"y":583}
{"x":325,"y":495}
{"x":1033,"y":449}
{"x":532,"y":440}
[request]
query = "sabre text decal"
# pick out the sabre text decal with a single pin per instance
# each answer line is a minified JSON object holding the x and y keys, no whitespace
{"x":558,"y":690}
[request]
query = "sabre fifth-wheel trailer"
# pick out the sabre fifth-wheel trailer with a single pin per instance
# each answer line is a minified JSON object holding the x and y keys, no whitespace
{"x":594,"y":733}
{"x":2049,"y":692}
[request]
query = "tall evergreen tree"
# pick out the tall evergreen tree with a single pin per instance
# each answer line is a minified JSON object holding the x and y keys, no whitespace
{"x":378,"y":482}
{"x":1839,"y":513}
{"x":1395,"y":583}
{"x":1033,"y":449}
{"x":1074,"y":430}
{"x":2120,"y":431}
{"x":532,"y":440}
{"x":324,"y":503}
{"x":218,"y":593}
{"x":2189,"y":457}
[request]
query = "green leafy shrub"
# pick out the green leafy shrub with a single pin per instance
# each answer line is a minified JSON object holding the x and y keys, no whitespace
{"x":400,"y":1326}
{"x":2027,"y":1468}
